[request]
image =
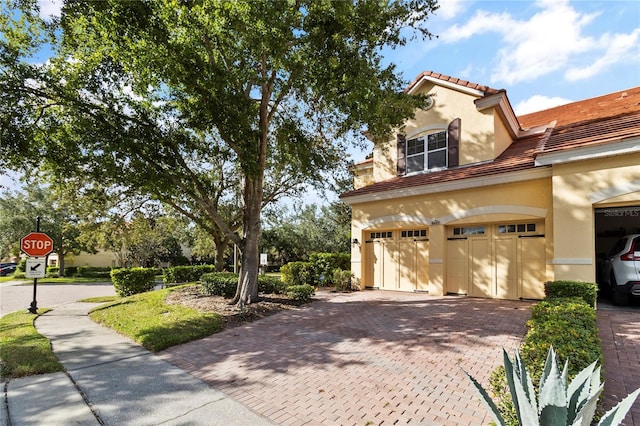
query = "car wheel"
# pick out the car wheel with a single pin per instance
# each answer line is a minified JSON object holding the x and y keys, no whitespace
{"x":618,"y":296}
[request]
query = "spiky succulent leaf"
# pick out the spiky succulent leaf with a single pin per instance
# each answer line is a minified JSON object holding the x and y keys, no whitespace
{"x":584,"y":417}
{"x":527,"y":383}
{"x":484,"y":396}
{"x":617,"y":414}
{"x":579,"y":391}
{"x":526,"y":412}
{"x":553,"y":394}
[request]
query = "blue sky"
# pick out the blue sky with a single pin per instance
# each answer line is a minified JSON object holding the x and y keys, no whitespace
{"x":544,"y":53}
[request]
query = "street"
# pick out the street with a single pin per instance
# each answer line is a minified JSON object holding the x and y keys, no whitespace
{"x":17,"y":295}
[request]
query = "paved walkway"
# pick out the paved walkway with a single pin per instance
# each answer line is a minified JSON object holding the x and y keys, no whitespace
{"x":369,"y":357}
{"x":619,"y":332}
{"x":111,"y":380}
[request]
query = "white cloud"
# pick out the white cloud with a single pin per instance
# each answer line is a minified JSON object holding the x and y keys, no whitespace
{"x":549,"y":41}
{"x":616,"y":48}
{"x":50,"y":8}
{"x":449,"y":9}
{"x":539,"y":103}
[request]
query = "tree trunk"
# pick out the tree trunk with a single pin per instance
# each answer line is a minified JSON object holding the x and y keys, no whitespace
{"x":247,"y":291}
{"x":221,"y":247}
{"x":61,"y":263}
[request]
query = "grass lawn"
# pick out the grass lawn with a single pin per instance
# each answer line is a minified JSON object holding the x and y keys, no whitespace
{"x":24,"y":352}
{"x":154,"y":324}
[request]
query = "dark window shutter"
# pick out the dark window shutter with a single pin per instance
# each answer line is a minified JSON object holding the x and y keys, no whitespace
{"x":402,"y":154}
{"x":453,"y":143}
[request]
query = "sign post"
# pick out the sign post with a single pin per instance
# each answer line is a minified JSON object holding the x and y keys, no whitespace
{"x":36,"y":245}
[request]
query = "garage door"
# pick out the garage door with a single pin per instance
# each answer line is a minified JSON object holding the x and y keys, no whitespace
{"x":397,"y":259}
{"x":504,"y":260}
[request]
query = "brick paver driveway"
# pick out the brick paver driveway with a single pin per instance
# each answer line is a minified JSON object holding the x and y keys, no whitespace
{"x":368,"y":357}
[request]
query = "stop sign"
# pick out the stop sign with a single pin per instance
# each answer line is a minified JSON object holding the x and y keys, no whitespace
{"x":36,"y":244}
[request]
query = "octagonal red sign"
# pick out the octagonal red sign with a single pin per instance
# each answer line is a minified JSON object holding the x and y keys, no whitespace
{"x":36,"y":244}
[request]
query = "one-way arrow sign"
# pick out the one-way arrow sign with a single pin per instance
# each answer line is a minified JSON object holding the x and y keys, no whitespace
{"x":36,"y":267}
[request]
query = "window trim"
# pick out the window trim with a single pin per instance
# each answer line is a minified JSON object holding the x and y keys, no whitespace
{"x":424,"y":138}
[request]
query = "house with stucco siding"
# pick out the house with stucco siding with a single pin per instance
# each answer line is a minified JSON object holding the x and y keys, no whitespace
{"x":469,"y":198}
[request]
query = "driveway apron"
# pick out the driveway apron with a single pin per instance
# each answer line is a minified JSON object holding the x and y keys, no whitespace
{"x":368,"y":357}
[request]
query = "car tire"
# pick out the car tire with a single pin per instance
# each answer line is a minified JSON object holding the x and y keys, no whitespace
{"x":618,"y":297}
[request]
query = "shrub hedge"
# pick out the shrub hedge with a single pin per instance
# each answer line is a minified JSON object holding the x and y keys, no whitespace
{"x":93,"y":272}
{"x":299,"y":273}
{"x":324,"y":264}
{"x":301,"y":293}
{"x":185,"y":274}
{"x":566,"y":320}
{"x":587,"y":291}
{"x":128,"y":281}
{"x":226,"y":283}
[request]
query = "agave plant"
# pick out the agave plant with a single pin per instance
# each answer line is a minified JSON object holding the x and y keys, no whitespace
{"x":559,"y":402}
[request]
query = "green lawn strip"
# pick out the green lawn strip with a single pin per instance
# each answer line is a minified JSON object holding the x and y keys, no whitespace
{"x":23,"y":351}
{"x":154,"y":324}
{"x":101,"y":299}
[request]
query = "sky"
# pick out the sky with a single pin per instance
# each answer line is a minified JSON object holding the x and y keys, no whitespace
{"x":544,"y":53}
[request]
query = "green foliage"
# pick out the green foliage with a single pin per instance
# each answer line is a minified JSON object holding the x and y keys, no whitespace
{"x":559,"y":402}
{"x":219,"y":284}
{"x":569,"y":325}
{"x":129,"y":281}
{"x":24,"y":351}
{"x":325,"y":264}
{"x":271,"y":285}
{"x":299,"y":273}
{"x":301,"y":293}
{"x":93,"y":271}
{"x":226,"y":283}
{"x":148,"y":320}
{"x":185,"y":274}
{"x":585,"y":290}
{"x":344,"y":280}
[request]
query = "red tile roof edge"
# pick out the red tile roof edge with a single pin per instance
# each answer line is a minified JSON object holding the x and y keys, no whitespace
{"x":486,"y":89}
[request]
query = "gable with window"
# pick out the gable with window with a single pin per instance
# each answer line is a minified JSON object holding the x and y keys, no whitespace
{"x":430,"y":152}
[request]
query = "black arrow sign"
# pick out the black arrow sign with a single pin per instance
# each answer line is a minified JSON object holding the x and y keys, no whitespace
{"x":36,"y":266}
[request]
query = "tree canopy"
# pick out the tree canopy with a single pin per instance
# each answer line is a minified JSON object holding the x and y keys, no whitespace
{"x":205,"y":105}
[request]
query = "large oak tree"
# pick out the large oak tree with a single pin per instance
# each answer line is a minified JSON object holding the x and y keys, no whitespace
{"x":154,"y":94}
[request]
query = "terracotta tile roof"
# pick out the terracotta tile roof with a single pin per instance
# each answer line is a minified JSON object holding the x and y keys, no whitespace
{"x":604,"y":106}
{"x":486,"y":89}
{"x":519,"y":156}
{"x":595,"y":121}
{"x":594,"y":132}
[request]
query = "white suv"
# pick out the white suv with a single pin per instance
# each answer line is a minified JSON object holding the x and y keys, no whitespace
{"x":622,"y":269}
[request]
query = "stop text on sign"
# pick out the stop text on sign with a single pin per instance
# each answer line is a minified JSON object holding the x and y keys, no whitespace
{"x":36,"y":244}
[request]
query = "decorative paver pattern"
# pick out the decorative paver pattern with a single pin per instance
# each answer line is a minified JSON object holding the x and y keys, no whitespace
{"x":371,"y":357}
{"x":619,"y":332}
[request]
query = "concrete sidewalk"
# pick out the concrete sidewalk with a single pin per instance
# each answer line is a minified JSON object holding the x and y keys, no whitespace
{"x":111,"y":380}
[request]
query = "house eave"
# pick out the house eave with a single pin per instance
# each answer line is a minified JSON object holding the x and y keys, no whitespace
{"x":447,"y":84}
{"x":457,"y":185}
{"x":628,"y":146}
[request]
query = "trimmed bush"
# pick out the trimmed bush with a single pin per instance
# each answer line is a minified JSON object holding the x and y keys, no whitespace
{"x":93,"y":272}
{"x":301,"y":293}
{"x":298,"y":273}
{"x":226,"y":283}
{"x":566,"y":323}
{"x":569,"y":325}
{"x":219,"y":284}
{"x":344,"y":280}
{"x":128,"y":281}
{"x":271,"y":285}
{"x":325,"y":263}
{"x":587,"y":291}
{"x":186,"y":274}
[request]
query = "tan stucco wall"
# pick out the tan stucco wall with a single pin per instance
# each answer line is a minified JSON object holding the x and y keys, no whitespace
{"x":100,"y":259}
{"x":578,"y":188}
{"x":477,"y":130}
{"x":505,"y":202}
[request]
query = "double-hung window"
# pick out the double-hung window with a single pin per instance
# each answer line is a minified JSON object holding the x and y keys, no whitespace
{"x":427,"y":152}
